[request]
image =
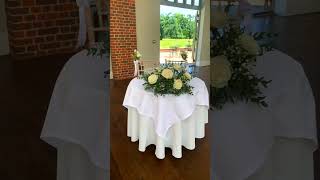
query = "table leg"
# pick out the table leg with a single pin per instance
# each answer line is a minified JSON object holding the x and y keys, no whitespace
{"x":143,"y":132}
{"x":177,"y":144}
{"x":133,"y":120}
{"x":160,"y":148}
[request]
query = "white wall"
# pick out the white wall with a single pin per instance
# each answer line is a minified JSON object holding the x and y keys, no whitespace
{"x":293,"y":7}
{"x":4,"y":46}
{"x":148,"y":28}
{"x":203,"y":51}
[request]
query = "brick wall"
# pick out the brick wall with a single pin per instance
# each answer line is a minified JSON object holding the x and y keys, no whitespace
{"x":122,"y":37}
{"x":41,"y":27}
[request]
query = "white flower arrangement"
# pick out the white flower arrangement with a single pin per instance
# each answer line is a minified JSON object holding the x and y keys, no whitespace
{"x":220,"y":71}
{"x":168,"y":79}
{"x":136,"y":55}
{"x":233,"y":56}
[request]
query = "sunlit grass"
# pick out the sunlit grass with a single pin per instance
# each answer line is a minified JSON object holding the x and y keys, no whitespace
{"x":172,"y":43}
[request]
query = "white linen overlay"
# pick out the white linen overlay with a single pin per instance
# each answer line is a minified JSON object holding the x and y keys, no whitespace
{"x":79,"y":108}
{"x":244,"y":134}
{"x":82,"y":35}
{"x":165,"y":110}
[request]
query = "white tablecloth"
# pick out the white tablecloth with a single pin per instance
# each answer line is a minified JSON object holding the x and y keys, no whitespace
{"x":166,"y":121}
{"x":79,"y":108}
{"x":243,"y":134}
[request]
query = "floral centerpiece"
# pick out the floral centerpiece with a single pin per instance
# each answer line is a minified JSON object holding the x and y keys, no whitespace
{"x":233,"y":57}
{"x":168,"y":79}
{"x":184,"y":55}
{"x":136,"y":55}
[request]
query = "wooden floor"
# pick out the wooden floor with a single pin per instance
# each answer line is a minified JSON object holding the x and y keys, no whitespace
{"x":127,"y":163}
{"x":26,"y":88}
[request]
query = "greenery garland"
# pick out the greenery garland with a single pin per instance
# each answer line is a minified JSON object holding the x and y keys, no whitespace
{"x":168,"y":79}
{"x":237,"y":53}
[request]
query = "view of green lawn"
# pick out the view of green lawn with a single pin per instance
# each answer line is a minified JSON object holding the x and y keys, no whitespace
{"x":171,"y":43}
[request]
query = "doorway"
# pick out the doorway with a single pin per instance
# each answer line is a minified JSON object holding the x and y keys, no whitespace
{"x":179,"y":30}
{"x":4,"y":48}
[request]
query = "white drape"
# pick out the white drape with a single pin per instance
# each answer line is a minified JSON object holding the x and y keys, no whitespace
{"x":82,"y":36}
{"x":183,"y":133}
{"x":243,"y":134}
{"x":79,"y":110}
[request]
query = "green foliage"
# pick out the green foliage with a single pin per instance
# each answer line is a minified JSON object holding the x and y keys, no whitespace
{"x":164,"y":86}
{"x":175,"y":43}
{"x":244,"y":84}
{"x":177,"y":26}
{"x":98,"y":50}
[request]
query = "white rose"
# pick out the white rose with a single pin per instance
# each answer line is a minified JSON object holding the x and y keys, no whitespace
{"x":249,"y":44}
{"x":138,"y":54}
{"x":152,"y":79}
{"x":177,"y":67}
{"x":187,"y":75}
{"x":167,"y":73}
{"x":220,"y":71}
{"x":177,"y":84}
{"x":218,"y":19}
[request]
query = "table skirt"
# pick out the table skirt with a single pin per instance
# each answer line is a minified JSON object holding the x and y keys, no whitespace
{"x":74,"y":164}
{"x":288,"y":159}
{"x":180,"y":134}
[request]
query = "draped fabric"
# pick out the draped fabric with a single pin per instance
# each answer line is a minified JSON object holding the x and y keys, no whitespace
{"x":79,"y":110}
{"x":165,"y":110}
{"x":181,"y":134}
{"x":243,"y":134}
{"x":82,"y":36}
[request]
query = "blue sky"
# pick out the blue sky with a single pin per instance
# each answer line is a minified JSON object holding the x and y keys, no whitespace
{"x":169,"y":9}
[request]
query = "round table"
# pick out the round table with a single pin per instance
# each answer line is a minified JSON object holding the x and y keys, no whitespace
{"x":77,"y":119}
{"x":255,"y":143}
{"x":166,"y":121}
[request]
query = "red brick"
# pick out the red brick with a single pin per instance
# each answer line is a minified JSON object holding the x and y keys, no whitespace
{"x":33,"y":29}
{"x":14,"y":19}
{"x":46,"y":2}
{"x":49,"y":23}
{"x":16,"y":34}
{"x":18,"y":49}
{"x":47,"y":31}
{"x":65,"y":29}
{"x":68,"y":7}
{"x":36,"y":24}
{"x":29,"y":18}
{"x":32,"y":48}
{"x":20,"y":26}
{"x":64,"y":22}
{"x":50,"y":38}
{"x":36,"y":9}
{"x":18,"y":11}
{"x":47,"y":8}
{"x":22,"y":42}
{"x":66,"y":37}
{"x":49,"y":45}
{"x":28,"y":2}
{"x":31,"y":33}
{"x":39,"y":40}
{"x":13,"y":3}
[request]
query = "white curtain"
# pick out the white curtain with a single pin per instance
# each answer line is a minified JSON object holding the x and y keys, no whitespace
{"x":82,"y":36}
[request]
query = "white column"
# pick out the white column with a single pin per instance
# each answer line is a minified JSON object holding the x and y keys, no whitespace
{"x":148,"y":29}
{"x":203,"y":51}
